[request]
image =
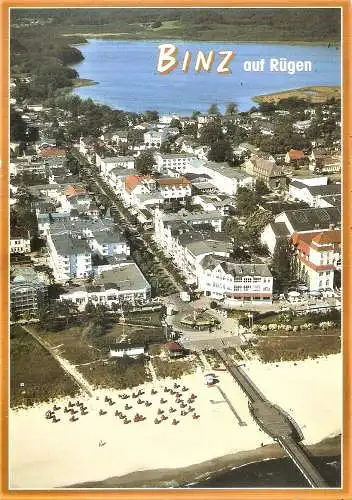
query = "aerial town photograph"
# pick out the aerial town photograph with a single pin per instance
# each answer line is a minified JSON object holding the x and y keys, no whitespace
{"x":175,"y":248}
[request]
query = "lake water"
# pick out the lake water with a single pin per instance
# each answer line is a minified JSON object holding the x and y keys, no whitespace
{"x":127,"y":77}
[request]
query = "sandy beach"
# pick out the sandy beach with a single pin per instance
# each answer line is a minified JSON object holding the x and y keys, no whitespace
{"x":45,"y":455}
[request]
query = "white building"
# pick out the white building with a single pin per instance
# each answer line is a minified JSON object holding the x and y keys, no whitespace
{"x":313,"y":195}
{"x":220,"y":278}
{"x":318,"y":256}
{"x":136,"y":185}
{"x":174,"y":188}
{"x":272,"y":233}
{"x":70,"y":257}
{"x":124,"y":283}
{"x":225,"y":178}
{"x":301,"y":221}
{"x":120,"y":350}
{"x":167,"y":119}
{"x":20,"y":244}
{"x":153,"y":138}
{"x":176,"y":162}
{"x":165,"y":223}
{"x":108,"y":163}
{"x":297,"y":183}
{"x":117,"y":176}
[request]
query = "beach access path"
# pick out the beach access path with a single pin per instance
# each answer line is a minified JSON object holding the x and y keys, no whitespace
{"x":68,"y":367}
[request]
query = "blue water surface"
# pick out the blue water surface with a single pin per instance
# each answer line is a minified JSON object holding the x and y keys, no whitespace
{"x":128,"y":79}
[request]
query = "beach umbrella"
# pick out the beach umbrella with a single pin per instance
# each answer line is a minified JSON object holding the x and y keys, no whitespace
{"x":294,"y":294}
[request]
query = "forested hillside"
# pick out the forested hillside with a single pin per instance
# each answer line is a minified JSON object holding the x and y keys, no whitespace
{"x":199,"y":24}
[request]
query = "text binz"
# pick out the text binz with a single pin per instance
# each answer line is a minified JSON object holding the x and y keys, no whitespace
{"x":168,"y":60}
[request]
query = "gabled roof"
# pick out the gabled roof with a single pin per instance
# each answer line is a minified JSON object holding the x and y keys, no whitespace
{"x":295,"y":154}
{"x":321,"y":241}
{"x":235,"y":269}
{"x":308,"y":219}
{"x":73,"y":190}
{"x":51,"y":151}
{"x":268,"y":167}
{"x":279,"y":229}
{"x":329,"y":189}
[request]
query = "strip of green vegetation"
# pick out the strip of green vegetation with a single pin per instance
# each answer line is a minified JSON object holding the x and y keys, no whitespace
{"x":83,"y":82}
{"x":173,"y":368}
{"x":123,"y":373}
{"x":35,"y":376}
{"x":296,"y":349}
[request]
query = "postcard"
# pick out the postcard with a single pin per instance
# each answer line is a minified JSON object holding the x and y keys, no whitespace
{"x":175,"y":180}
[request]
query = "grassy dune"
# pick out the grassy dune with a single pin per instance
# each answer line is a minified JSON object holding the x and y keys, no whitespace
{"x":316,"y":94}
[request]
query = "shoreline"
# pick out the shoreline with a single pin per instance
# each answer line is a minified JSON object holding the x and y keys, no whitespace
{"x":139,"y":454}
{"x":159,"y":478}
{"x":83,"y":82}
{"x":142,"y":37}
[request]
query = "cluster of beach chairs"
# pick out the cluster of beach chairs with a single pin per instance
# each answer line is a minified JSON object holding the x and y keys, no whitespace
{"x":179,"y":402}
{"x":74,"y":411}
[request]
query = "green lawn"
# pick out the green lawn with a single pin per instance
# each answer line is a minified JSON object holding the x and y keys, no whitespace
{"x":118,"y":374}
{"x":173,"y":368}
{"x":33,"y":366}
{"x":297,"y":348}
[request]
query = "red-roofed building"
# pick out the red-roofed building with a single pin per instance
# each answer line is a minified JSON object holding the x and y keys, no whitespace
{"x":318,"y":257}
{"x":174,"y":188}
{"x":52,"y":152}
{"x":136,"y":185}
{"x":72,"y":191}
{"x":294,"y":155}
{"x":173,"y":349}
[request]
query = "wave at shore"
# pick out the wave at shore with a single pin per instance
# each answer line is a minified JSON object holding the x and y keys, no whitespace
{"x":249,"y":469}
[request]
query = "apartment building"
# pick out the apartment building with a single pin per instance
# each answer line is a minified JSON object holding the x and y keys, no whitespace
{"x":27,"y":296}
{"x":318,"y":257}
{"x":174,"y":188}
{"x":106,"y":164}
{"x":176,"y":162}
{"x":153,"y":138}
{"x":70,"y":256}
{"x":225,"y":178}
{"x":222,"y":278}
{"x":165,"y":224}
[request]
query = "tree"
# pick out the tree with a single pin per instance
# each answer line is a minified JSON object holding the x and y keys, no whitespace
{"x":221,"y":151}
{"x":151,"y":116}
{"x":165,"y":147}
{"x":175,"y":123}
{"x":145,"y":162}
{"x":57,"y":315}
{"x":253,"y":228}
{"x":211,"y":133}
{"x":232,"y":109}
{"x":261,"y":188}
{"x":72,"y":163}
{"x":214,"y":110}
{"x":281,"y":267}
{"x":245,"y":201}
{"x":18,"y":126}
